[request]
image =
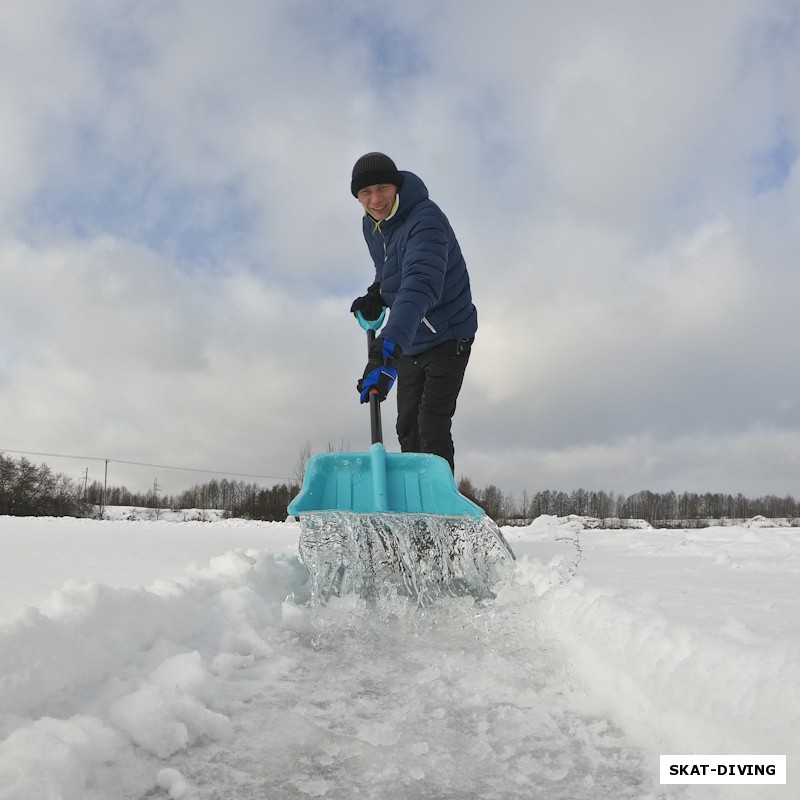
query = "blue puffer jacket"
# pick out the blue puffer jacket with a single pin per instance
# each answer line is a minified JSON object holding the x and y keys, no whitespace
{"x":422,"y":274}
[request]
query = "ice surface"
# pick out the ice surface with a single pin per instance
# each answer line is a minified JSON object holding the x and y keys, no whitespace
{"x":599,"y":651}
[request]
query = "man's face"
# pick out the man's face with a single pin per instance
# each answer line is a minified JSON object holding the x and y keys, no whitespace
{"x":378,"y":200}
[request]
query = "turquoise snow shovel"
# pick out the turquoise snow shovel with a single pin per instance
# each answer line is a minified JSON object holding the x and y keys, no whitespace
{"x":371,"y":519}
{"x":377,"y":481}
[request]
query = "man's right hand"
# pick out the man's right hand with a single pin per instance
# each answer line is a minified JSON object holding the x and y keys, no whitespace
{"x":371,"y":304}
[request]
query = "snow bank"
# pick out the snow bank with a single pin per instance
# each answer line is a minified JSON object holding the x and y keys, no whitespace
{"x":142,"y":514}
{"x":679,"y":689}
{"x":152,"y":666}
{"x":694,"y":648}
{"x":41,"y":554}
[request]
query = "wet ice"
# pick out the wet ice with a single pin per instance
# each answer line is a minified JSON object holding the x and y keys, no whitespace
{"x":455,"y":699}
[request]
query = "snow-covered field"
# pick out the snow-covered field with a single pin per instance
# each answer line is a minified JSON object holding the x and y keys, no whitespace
{"x":164,"y":659}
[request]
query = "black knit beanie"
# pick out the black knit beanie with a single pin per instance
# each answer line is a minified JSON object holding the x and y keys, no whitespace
{"x":374,"y":168}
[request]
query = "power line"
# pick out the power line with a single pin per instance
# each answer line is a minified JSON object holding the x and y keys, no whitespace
{"x":144,"y":464}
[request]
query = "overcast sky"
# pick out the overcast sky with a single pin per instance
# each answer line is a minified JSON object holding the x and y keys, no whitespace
{"x":179,"y":247}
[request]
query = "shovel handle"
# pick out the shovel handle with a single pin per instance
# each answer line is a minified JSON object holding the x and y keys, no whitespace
{"x":376,"y":427}
{"x":370,"y":326}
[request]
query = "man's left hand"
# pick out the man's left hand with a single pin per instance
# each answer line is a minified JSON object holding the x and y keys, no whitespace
{"x":381,"y":371}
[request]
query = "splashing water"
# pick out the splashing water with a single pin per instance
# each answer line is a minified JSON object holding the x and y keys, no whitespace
{"x":420,"y":556}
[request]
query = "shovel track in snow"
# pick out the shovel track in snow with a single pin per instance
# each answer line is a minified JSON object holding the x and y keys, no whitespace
{"x":392,"y":700}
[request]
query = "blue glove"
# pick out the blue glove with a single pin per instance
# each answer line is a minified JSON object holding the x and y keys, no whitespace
{"x":381,"y":373}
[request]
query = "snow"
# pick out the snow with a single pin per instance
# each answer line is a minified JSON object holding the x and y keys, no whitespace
{"x":171,"y":659}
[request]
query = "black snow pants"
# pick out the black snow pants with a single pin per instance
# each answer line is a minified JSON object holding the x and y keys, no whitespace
{"x":427,"y":388}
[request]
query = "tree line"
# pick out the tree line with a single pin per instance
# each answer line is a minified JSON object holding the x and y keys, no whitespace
{"x":665,"y":509}
{"x":28,"y":489}
{"x":235,"y":498}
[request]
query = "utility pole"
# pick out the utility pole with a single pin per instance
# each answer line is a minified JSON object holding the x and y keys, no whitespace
{"x":156,"y":490}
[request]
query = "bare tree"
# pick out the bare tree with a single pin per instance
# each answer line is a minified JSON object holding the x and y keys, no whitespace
{"x":299,"y":470}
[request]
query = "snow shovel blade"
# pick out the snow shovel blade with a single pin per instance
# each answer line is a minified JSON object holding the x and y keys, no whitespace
{"x":377,"y":481}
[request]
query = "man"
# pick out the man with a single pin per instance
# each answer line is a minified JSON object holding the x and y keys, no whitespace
{"x":421,"y":275}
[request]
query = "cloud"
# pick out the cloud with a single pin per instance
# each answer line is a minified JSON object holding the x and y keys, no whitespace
{"x":179,"y":248}
{"x":756,"y":464}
